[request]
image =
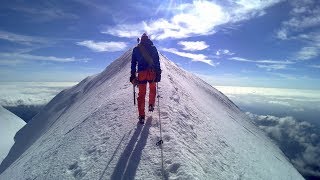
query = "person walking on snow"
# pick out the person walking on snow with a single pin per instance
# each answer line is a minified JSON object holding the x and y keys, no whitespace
{"x":145,"y":56}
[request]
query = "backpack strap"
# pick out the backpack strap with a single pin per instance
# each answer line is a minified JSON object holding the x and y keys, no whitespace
{"x":146,"y":55}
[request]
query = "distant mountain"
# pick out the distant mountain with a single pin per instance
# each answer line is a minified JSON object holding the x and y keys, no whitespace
{"x":90,"y":131}
{"x":9,"y":126}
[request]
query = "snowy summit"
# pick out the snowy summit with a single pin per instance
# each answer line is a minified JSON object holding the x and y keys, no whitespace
{"x":91,"y":131}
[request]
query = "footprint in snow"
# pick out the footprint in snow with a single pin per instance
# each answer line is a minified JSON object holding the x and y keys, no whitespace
{"x":175,"y":97}
{"x":167,"y":138}
{"x":173,"y":168}
{"x":77,"y":170}
{"x":164,"y":114}
{"x":92,"y":150}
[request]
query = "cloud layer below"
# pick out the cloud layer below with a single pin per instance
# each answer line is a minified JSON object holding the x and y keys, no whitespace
{"x":288,"y":116}
{"x":30,"y":93}
{"x":299,"y":140}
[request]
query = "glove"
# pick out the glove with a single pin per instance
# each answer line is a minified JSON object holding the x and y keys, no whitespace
{"x":133,"y":78}
{"x":158,"y":76}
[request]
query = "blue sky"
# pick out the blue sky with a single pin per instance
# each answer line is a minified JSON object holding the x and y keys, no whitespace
{"x":271,"y":43}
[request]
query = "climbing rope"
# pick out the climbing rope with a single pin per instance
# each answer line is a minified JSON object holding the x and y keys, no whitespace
{"x":160,"y":142}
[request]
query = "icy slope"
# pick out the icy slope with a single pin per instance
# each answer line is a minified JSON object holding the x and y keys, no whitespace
{"x":90,"y":132}
{"x":9,"y":125}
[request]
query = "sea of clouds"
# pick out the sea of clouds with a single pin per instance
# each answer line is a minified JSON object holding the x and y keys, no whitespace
{"x":26,"y":99}
{"x":289,"y":116}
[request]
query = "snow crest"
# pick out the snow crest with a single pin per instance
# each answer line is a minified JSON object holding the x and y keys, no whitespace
{"x":91,"y":131}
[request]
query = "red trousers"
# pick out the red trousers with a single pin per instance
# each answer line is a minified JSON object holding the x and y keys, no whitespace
{"x":145,"y":77}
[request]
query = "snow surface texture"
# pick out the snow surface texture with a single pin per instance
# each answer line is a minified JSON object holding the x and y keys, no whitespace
{"x":90,"y":131}
{"x":9,"y":125}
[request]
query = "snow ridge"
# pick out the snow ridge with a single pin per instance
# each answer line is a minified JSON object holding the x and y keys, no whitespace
{"x":90,"y":131}
{"x":9,"y":125}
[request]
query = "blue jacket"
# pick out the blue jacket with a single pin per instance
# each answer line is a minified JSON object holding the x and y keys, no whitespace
{"x":142,"y":63}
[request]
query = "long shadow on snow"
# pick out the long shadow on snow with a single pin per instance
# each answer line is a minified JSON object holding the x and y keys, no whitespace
{"x":129,"y":160}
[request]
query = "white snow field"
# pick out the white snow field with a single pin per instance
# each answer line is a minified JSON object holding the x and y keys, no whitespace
{"x":91,"y":131}
{"x":9,"y":126}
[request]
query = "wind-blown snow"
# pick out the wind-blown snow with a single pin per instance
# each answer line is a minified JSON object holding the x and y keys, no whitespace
{"x":9,"y":125}
{"x":90,"y":131}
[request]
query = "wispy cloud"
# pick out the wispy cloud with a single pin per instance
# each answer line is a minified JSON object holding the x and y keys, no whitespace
{"x":126,"y":30}
{"x":311,"y":48}
{"x":313,"y":38}
{"x":308,"y":53}
{"x":315,"y":66}
{"x":224,"y":52}
{"x":304,"y":17}
{"x":247,"y":9}
{"x":193,"y":45}
{"x":192,"y":19}
{"x":287,"y":76}
{"x":12,"y":62}
{"x":261,"y":61}
{"x":102,"y":7}
{"x":8,"y":58}
{"x":44,"y":12}
{"x":23,"y":39}
{"x":271,"y":67}
{"x":103,"y":46}
{"x":266,"y":64}
{"x":194,"y":57}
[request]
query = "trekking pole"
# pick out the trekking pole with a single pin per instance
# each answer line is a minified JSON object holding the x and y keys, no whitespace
{"x":134,"y":84}
{"x":134,"y":95}
{"x":160,"y":142}
{"x":158,"y":96}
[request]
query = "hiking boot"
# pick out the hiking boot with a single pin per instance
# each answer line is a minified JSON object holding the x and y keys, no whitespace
{"x":141,"y":119}
{"x":151,"y":107}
